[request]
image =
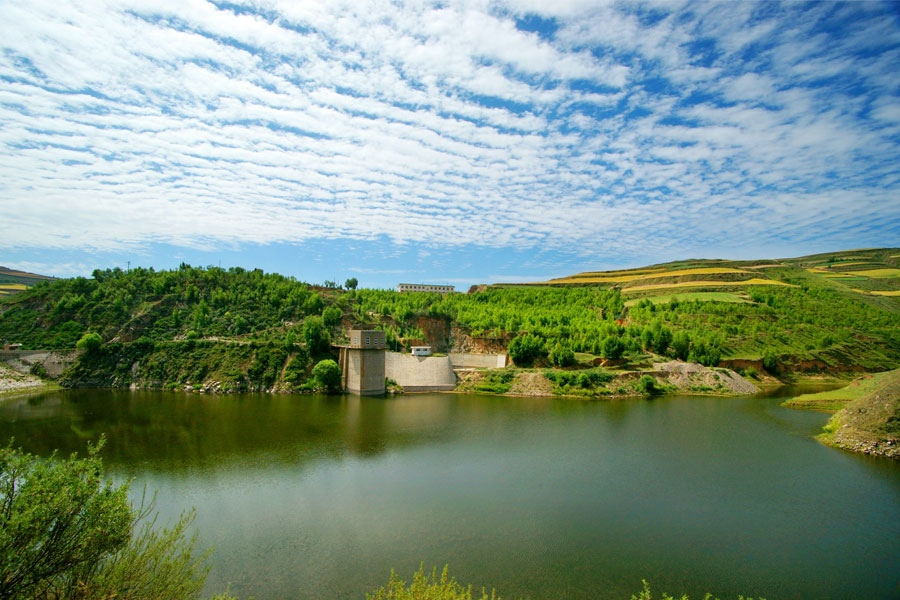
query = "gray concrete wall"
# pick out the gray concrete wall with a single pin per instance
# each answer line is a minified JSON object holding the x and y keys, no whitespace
{"x":363,"y":371}
{"x":420,"y":373}
{"x":54,"y":361}
{"x":478,"y":361}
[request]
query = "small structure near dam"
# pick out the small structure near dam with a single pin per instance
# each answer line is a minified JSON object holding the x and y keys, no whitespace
{"x":366,"y":363}
{"x":362,"y":362}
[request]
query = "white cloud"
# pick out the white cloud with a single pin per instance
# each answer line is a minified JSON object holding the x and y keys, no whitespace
{"x":444,"y":123}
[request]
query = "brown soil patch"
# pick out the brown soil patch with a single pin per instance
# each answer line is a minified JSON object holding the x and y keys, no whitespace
{"x":531,"y":384}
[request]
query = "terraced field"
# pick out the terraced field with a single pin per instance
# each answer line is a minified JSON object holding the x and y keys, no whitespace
{"x":11,"y":288}
{"x":866,"y":272}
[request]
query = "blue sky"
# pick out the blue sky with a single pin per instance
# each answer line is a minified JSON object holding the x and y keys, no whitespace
{"x":453,"y":141}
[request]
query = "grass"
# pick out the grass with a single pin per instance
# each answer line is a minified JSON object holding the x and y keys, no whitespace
{"x":834,"y":400}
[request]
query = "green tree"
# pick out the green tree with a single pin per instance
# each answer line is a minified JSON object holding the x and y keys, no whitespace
{"x":327,"y":375}
{"x":562,"y":355}
{"x":351,"y":283}
{"x":681,"y":345}
{"x":65,"y":533}
{"x":612,"y":348}
{"x":90,"y":342}
{"x":525,"y":349}
{"x":316,"y":336}
{"x":332,"y":316}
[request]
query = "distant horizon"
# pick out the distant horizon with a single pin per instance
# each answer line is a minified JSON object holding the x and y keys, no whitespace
{"x":444,"y":141}
{"x":460,"y":288}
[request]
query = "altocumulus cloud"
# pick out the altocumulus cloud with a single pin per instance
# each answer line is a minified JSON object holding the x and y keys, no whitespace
{"x":631,"y":129}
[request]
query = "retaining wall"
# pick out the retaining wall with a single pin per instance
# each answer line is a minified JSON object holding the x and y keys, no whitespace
{"x":54,"y":361}
{"x":478,"y":361}
{"x":420,"y":373}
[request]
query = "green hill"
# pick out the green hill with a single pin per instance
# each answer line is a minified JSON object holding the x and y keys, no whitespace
{"x":240,"y":329}
{"x":13,"y":282}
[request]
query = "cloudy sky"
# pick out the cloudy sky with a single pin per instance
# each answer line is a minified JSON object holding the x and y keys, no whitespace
{"x":443,"y":141}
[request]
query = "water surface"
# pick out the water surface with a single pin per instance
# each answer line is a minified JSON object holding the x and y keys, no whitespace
{"x":317,"y":497}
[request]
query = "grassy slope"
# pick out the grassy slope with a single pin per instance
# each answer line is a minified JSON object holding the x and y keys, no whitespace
{"x":871,"y":423}
{"x":861,"y":272}
{"x":834,"y":400}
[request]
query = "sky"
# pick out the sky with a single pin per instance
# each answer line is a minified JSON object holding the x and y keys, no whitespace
{"x":448,"y":141}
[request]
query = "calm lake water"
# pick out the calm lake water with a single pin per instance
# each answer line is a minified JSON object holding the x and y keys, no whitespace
{"x":316,"y":497}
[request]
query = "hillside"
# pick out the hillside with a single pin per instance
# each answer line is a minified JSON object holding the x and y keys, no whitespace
{"x":870,"y":424}
{"x":866,"y":273}
{"x":13,"y":282}
{"x":235,"y":329}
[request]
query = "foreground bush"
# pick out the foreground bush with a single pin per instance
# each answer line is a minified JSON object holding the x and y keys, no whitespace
{"x":432,"y":587}
{"x":66,"y":533}
{"x":427,"y":587}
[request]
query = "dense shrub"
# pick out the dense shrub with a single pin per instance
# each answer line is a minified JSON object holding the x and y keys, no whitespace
{"x":562,"y":355}
{"x":496,"y":381}
{"x":525,"y":349}
{"x":427,"y":587}
{"x":327,"y":376}
{"x":65,"y":533}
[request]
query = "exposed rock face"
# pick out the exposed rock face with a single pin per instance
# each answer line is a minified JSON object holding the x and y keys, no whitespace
{"x":436,"y":331}
{"x":463,"y":343}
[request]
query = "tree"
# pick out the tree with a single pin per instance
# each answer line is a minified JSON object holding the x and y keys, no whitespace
{"x":327,"y":375}
{"x":525,"y":349}
{"x":612,"y":348}
{"x":316,"y":336}
{"x":332,"y":316}
{"x":562,"y":355}
{"x":351,"y":283}
{"x":681,"y":345}
{"x":90,"y":342}
{"x":65,"y":533}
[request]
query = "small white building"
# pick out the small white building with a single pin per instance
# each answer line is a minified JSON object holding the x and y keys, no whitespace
{"x":421,"y":351}
{"x":423,"y":287}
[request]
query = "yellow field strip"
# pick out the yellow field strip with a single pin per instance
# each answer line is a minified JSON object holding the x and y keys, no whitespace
{"x":885,"y":292}
{"x":878,"y":273}
{"x":695,"y":284}
{"x":13,"y":286}
{"x":625,"y":276}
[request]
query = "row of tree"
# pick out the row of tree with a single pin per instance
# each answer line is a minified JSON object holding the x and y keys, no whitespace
{"x":290,"y":325}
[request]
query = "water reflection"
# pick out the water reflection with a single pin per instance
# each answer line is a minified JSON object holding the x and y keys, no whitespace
{"x":312,"y":496}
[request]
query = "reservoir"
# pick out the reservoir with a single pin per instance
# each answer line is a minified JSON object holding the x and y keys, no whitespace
{"x":543,"y":498}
